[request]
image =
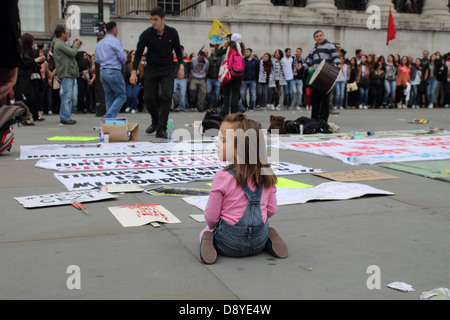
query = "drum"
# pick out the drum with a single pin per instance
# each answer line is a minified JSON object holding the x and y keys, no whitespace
{"x":325,"y":76}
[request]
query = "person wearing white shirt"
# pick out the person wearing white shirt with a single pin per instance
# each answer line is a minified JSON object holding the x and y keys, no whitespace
{"x":286,"y":63}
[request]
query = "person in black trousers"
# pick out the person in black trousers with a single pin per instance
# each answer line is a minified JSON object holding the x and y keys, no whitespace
{"x":233,"y":88}
{"x":322,"y":50}
{"x":160,"y":40}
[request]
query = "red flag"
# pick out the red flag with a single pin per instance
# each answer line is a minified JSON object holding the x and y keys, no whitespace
{"x":391,"y":28}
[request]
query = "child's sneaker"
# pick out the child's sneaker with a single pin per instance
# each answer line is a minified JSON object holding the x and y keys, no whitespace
{"x":276,"y":245}
{"x":208,"y":253}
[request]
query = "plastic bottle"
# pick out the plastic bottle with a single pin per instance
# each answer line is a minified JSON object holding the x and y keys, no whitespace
{"x":170,"y":128}
{"x":354,"y":159}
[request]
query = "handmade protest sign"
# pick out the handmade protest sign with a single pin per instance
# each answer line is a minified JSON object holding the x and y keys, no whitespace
{"x":371,"y":151}
{"x":117,"y":149}
{"x":357,"y":175}
{"x":145,"y":177}
{"x":142,"y":214}
{"x":128,"y":162}
{"x":62,"y":198}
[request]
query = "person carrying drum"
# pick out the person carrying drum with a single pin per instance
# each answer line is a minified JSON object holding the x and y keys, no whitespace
{"x":323,"y":50}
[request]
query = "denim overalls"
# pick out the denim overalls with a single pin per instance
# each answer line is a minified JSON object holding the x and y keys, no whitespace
{"x":249,"y":235}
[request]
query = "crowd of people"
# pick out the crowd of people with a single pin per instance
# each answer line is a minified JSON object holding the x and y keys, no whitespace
{"x":277,"y":81}
{"x":274,"y":81}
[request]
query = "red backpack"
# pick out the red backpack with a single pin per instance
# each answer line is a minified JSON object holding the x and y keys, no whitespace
{"x":236,"y":64}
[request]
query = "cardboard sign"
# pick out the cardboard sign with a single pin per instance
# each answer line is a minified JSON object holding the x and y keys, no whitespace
{"x":142,"y":214}
{"x":354,"y":176}
{"x":57,"y":199}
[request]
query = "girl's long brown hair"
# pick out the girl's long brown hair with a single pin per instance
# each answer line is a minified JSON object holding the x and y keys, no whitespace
{"x":258,"y":171}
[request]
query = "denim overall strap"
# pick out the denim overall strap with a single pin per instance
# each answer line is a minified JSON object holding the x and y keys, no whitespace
{"x":249,"y":235}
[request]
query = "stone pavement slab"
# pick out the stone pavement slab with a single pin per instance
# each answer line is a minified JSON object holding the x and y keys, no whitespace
{"x":405,"y":234}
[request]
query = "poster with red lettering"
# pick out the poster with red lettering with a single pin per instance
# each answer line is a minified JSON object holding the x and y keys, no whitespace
{"x":142,"y":214}
{"x":371,"y":151}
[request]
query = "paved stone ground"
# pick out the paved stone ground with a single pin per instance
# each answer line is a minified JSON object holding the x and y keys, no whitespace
{"x":405,"y":235}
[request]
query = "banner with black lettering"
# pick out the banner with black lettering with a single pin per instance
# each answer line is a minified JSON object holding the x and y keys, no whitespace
{"x":62,"y":198}
{"x":150,"y":176}
{"x":130,"y":162}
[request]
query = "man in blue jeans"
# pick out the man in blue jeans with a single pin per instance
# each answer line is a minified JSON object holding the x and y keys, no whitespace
{"x":250,"y":79}
{"x":180,"y":103}
{"x":66,"y":70}
{"x":111,"y":57}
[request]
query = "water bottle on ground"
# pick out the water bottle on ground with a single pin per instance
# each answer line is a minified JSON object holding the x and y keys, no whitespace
{"x":354,"y":159}
{"x":170,"y":128}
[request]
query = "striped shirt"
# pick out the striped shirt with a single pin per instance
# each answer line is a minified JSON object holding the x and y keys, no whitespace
{"x":325,"y":50}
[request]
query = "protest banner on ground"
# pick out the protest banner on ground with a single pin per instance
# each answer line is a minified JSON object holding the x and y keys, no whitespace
{"x":371,"y":151}
{"x":324,"y":191}
{"x":116,"y":149}
{"x":149,"y":176}
{"x":62,"y":198}
{"x":84,"y":164}
{"x":142,"y":214}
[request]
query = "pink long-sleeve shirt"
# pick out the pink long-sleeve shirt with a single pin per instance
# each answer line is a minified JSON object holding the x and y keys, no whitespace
{"x":228,"y":201}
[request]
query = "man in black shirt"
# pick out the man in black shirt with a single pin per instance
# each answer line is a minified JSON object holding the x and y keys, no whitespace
{"x":160,"y":41}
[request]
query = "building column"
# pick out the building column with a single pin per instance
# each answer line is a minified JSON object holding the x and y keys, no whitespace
{"x":435,"y":8}
{"x":384,"y":5}
{"x":321,"y":6}
{"x":255,"y":4}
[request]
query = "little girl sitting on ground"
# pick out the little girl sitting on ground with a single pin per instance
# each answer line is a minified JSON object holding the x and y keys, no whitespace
{"x":242,"y":196}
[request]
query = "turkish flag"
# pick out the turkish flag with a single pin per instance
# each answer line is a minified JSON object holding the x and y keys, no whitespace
{"x":391,"y":28}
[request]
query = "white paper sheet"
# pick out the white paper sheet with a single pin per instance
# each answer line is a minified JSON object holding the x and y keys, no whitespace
{"x":62,"y":198}
{"x":324,"y":191}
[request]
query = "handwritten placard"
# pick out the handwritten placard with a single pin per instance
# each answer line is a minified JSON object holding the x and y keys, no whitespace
{"x":357,"y":175}
{"x":371,"y":151}
{"x":62,"y":198}
{"x":142,"y":214}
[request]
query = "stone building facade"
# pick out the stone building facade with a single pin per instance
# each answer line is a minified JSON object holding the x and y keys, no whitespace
{"x":267,"y":25}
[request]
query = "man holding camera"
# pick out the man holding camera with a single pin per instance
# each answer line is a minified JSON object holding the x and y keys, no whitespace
{"x":66,"y":70}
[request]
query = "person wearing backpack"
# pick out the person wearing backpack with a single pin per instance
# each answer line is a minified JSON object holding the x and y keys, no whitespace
{"x":236,"y":66}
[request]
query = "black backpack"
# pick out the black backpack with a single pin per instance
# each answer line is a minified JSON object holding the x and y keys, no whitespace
{"x":211,"y":120}
{"x":310,"y":126}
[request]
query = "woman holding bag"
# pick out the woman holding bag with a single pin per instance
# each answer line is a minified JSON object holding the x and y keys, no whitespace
{"x":236,"y":68}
